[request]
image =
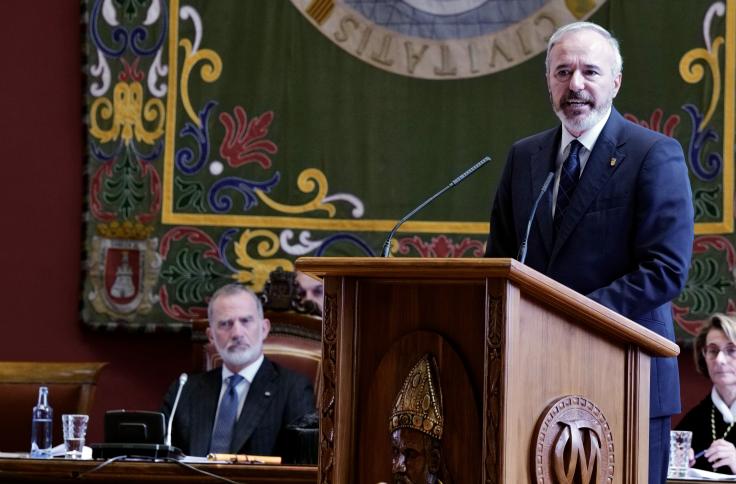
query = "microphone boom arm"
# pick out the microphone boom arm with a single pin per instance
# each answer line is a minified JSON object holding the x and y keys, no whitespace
{"x":521,"y":257}
{"x":182,"y":381}
{"x":461,"y":177}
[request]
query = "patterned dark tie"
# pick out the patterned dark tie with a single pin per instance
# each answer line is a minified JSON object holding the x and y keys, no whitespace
{"x":568,"y":181}
{"x":226,"y":418}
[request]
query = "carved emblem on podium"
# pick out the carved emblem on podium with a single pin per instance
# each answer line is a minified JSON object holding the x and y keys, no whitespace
{"x":574,"y":444}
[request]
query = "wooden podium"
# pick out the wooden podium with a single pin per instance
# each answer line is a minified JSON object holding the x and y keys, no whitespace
{"x":539,"y":383}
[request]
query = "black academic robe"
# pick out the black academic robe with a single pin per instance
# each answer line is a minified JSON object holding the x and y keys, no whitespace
{"x":697,"y":421}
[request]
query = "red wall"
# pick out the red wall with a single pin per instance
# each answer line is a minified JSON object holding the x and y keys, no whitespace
{"x":40,"y":253}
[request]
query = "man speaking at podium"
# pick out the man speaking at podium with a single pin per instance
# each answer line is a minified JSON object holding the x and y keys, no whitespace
{"x":244,"y":406}
{"x":617,"y":224}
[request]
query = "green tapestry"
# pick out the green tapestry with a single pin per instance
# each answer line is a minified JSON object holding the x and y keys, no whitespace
{"x":226,"y":138}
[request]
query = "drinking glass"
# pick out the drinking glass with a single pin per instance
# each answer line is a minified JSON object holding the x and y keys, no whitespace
{"x":75,"y":429}
{"x":680,"y":441}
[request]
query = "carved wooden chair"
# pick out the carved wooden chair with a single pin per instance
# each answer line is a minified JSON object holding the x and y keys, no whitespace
{"x":295,"y":340}
{"x":71,"y":390}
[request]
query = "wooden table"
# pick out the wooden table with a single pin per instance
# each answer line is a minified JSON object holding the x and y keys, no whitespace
{"x":62,"y":471}
{"x":694,"y":481}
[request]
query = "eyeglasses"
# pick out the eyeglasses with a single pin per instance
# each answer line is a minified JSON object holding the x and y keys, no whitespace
{"x":711,"y":351}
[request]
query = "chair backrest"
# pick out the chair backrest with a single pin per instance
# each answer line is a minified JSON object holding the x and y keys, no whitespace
{"x":302,"y":354}
{"x":288,"y":345}
{"x":71,"y":390}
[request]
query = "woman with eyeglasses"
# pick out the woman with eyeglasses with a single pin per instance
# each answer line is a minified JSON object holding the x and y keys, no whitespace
{"x":713,"y":420}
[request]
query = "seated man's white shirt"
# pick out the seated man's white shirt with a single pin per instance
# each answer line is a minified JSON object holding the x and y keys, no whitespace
{"x":248,"y":373}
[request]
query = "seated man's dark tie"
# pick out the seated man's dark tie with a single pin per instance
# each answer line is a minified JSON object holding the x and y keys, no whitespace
{"x":568,"y":181}
{"x":222,"y":434}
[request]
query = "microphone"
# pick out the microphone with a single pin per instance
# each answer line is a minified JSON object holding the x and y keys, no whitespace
{"x":182,"y":380}
{"x":463,"y":176}
{"x":523,"y":247}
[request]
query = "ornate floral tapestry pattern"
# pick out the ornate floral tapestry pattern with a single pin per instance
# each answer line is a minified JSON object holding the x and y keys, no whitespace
{"x":227,"y":138}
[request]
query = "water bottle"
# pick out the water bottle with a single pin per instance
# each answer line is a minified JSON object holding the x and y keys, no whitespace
{"x":43,"y":417}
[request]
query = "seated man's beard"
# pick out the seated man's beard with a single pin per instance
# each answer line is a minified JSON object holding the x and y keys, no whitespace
{"x":239,"y":355}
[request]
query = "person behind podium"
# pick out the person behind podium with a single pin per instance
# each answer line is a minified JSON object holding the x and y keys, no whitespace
{"x":712,"y":421}
{"x":244,"y":406}
{"x":313,"y":290}
{"x":617,"y":223}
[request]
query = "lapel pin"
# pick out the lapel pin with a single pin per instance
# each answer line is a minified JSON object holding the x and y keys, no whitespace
{"x":267,"y":394}
{"x":613,"y":161}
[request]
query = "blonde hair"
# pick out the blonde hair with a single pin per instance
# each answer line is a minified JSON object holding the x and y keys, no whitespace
{"x":724,"y":322}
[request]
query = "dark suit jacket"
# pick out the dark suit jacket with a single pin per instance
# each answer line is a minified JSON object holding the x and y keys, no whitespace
{"x":276,"y":398}
{"x":627,"y":235}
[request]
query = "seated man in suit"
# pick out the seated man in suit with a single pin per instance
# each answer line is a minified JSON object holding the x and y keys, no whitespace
{"x":245,"y":405}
